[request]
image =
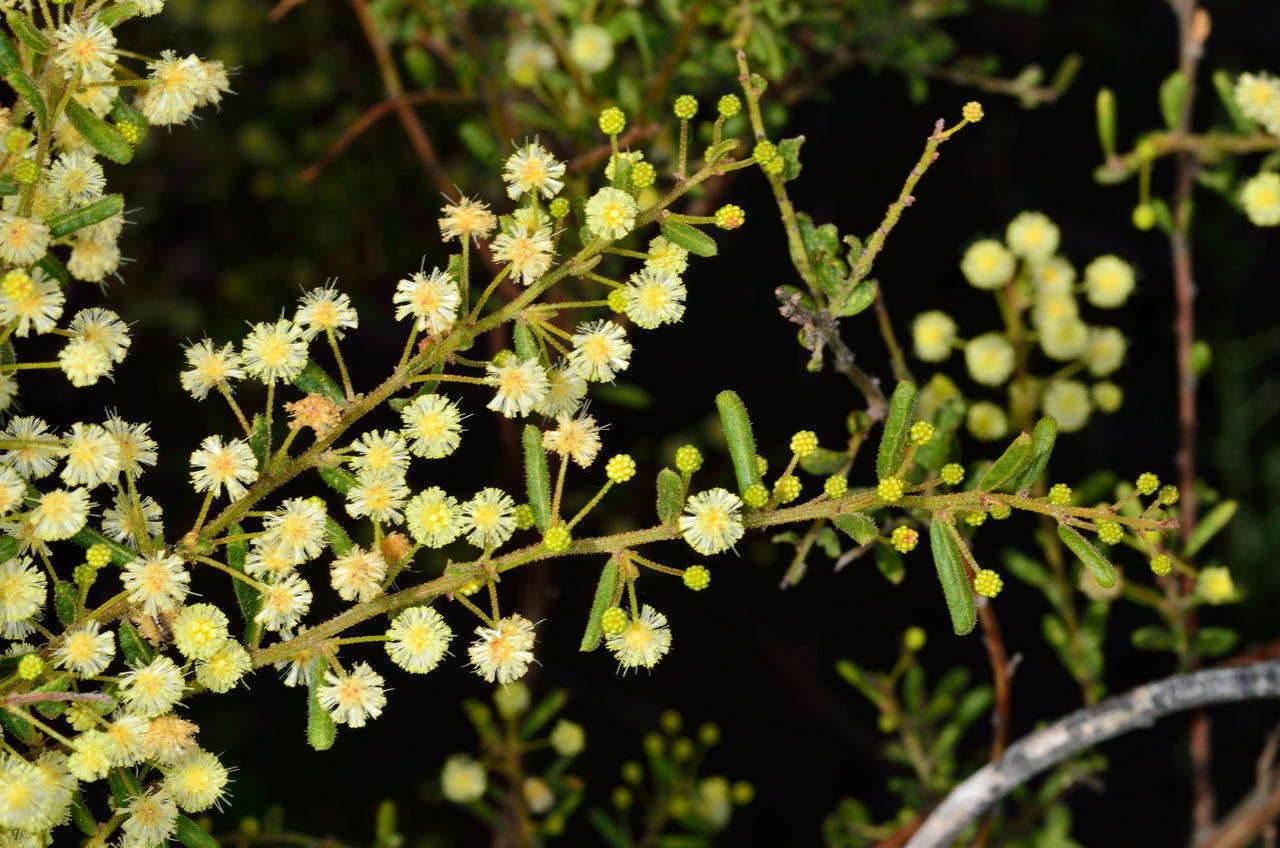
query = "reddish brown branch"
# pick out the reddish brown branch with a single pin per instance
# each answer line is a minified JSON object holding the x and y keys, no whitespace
{"x":395,"y":94}
{"x":370,"y":117}
{"x":598,"y":154}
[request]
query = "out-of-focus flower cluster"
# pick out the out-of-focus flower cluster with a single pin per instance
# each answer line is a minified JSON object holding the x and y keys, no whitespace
{"x":1038,"y":294}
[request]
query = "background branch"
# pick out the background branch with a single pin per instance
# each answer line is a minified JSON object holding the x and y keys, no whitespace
{"x":1084,"y":729}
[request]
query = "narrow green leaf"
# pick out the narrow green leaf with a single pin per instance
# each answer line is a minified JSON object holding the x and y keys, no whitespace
{"x":1099,"y":566}
{"x":338,"y":478}
{"x":25,"y":87}
{"x":1106,"y":109}
{"x":1215,"y":641}
{"x":8,"y":56}
{"x":321,"y":731}
{"x":789,"y":150}
{"x":66,"y":601}
{"x":889,"y":561}
{"x":247,"y":597}
{"x":824,"y":462}
{"x":1043,"y":437}
{"x":689,"y":237}
{"x":1173,"y":98}
{"x":8,"y":186}
{"x":893,"y":443}
{"x":537,"y":478}
{"x":81,"y":816}
{"x":258,"y":439}
{"x":17,"y":727}
{"x":1009,"y":465}
{"x":105,"y":138}
{"x":133,"y":647}
{"x":738,"y":436}
{"x":526,"y":345}
{"x":1225,"y":85}
{"x":949,"y":562}
{"x":671,"y":495}
{"x":859,"y":527}
{"x":603,"y":598}
{"x":542,"y":712}
{"x":609,"y":830}
{"x":1152,"y":638}
{"x":1209,"y":526}
{"x":854,"y":300}
{"x":315,"y":380}
{"x":27,"y":32}
{"x":53,"y":267}
{"x":192,"y":835}
{"x":117,"y":14}
{"x":338,"y":539}
{"x":86,"y":216}
{"x":123,"y":785}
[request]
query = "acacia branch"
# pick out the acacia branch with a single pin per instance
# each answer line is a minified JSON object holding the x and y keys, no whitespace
{"x":1086,"y":728}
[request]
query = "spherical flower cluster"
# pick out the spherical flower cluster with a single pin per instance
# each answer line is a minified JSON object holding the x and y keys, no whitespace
{"x":644,"y":641}
{"x":688,"y":459}
{"x":1215,"y":586}
{"x":612,"y":121}
{"x":1110,"y":532}
{"x":697,"y":577}
{"x":502,"y":653}
{"x":1260,"y":197}
{"x":1060,"y":494}
{"x":987,"y":264}
{"x":613,"y":620}
{"x":804,"y":443}
{"x":835,"y":486}
{"x":891,"y":489}
{"x":987,"y":583}
{"x":989,"y":358}
{"x":1258,"y":98}
{"x":620,"y":468}
{"x":730,"y":217}
{"x":904,"y":539}
{"x":712,"y":521}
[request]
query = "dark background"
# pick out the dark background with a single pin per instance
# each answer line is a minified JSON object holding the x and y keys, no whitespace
{"x":224,"y":233}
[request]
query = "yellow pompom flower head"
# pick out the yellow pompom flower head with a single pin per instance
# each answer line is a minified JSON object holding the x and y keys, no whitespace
{"x":835,"y":486}
{"x":688,"y":459}
{"x":904,"y":539}
{"x":685,"y":107}
{"x":987,"y":583}
{"x":613,"y":620}
{"x":620,"y":468}
{"x":972,"y":112}
{"x":612,"y":121}
{"x":730,"y":217}
{"x":557,"y":539}
{"x":891,"y":489}
{"x":804,"y":443}
{"x":697,"y":577}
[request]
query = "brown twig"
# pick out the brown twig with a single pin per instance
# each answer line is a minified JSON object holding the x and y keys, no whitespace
{"x":370,"y":117}
{"x":395,"y":94}
{"x":663,"y":77}
{"x":998,"y":658}
{"x":282,"y":8}
{"x":820,"y":332}
{"x":1193,"y":29}
{"x":599,"y":153}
